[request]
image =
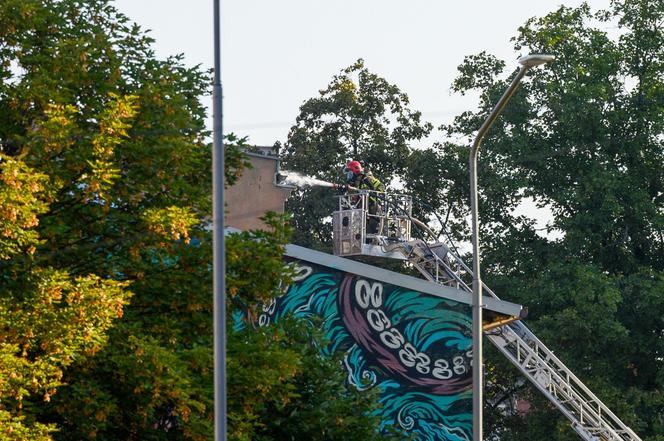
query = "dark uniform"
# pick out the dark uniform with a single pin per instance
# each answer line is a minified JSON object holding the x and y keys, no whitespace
{"x":369,"y":182}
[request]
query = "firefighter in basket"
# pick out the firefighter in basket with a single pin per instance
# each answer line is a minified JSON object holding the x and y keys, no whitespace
{"x":356,"y":177}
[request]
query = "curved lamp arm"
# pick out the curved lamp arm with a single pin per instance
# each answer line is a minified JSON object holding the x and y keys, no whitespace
{"x":478,"y":389}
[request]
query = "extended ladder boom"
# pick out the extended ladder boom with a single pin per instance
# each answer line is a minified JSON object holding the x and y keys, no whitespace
{"x":590,"y":418}
{"x":385,"y":231}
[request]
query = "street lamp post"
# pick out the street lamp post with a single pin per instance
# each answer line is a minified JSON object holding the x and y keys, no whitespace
{"x":219,"y":246}
{"x":478,"y":384}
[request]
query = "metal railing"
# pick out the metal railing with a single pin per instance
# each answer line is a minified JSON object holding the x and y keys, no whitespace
{"x":387,"y":215}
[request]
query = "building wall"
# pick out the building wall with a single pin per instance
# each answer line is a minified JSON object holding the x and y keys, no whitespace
{"x":254,"y":194}
{"x":413,"y":347}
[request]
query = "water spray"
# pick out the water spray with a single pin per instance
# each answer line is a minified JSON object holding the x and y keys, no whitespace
{"x":295,"y":179}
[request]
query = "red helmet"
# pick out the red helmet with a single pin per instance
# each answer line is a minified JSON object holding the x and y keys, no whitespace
{"x":352,"y":169}
{"x":354,"y":166}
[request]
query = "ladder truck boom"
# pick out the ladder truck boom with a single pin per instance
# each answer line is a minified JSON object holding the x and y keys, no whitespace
{"x":437,"y":262}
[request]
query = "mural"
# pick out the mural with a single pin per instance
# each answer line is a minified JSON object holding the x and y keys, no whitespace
{"x":414,"y":347}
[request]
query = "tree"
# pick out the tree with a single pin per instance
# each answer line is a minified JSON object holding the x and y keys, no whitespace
{"x":98,"y":142}
{"x":105,"y":306}
{"x":359,"y":115}
{"x":582,"y":137}
{"x":283,"y":388}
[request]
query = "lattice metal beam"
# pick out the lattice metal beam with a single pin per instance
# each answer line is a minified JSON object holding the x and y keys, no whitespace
{"x":590,"y":418}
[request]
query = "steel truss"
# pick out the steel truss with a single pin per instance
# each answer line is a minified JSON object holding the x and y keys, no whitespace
{"x":590,"y":418}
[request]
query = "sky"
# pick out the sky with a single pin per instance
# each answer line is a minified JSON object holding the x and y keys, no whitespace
{"x":276,"y":54}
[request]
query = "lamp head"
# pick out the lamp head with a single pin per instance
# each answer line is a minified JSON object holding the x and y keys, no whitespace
{"x":533,"y":60}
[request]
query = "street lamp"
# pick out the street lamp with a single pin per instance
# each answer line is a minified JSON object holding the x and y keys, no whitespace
{"x":526,"y":62}
{"x":219,"y":244}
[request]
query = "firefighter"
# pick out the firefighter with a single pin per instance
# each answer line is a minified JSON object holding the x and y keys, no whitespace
{"x":356,"y":177}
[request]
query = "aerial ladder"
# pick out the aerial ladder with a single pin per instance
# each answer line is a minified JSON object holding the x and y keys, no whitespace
{"x":385,"y":231}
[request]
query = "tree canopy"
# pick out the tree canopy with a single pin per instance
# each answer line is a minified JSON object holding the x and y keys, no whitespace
{"x":99,"y":143}
{"x":105,"y":252}
{"x":582,"y":138}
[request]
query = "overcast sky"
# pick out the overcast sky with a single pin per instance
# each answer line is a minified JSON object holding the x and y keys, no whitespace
{"x":276,"y":54}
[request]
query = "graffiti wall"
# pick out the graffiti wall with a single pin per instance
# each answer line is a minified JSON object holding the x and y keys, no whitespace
{"x":414,"y":347}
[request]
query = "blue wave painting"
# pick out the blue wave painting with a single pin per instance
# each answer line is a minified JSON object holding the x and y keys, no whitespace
{"x":414,"y":347}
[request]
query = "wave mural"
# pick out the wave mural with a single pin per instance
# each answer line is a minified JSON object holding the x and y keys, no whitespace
{"x":414,"y":347}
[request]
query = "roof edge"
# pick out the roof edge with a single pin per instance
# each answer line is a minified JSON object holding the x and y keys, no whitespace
{"x":420,"y":285}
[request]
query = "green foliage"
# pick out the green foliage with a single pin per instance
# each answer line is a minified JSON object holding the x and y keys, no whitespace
{"x":105,"y":254}
{"x":262,"y":365}
{"x":361,"y":116}
{"x":582,"y":137}
{"x":13,"y":428}
{"x":48,"y":320}
{"x":280,"y":384}
{"x":104,"y":308}
{"x":105,"y":298}
{"x":21,"y":204}
{"x":255,"y":272}
{"x":286,"y":389}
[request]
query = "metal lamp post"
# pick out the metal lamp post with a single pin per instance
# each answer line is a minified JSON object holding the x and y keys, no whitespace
{"x":219,"y":246}
{"x":478,"y":383}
